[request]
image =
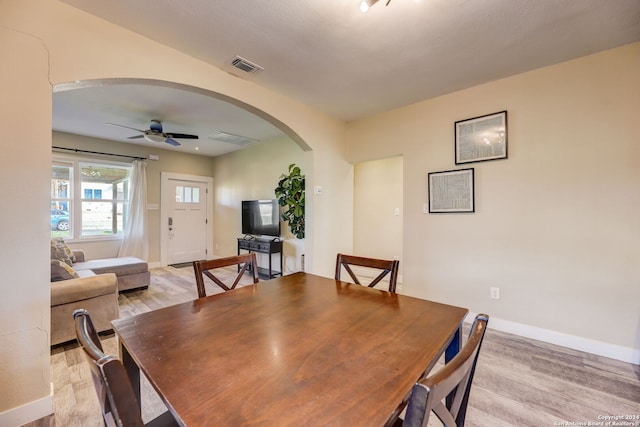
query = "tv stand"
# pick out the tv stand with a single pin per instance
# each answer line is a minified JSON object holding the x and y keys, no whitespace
{"x":264,"y":246}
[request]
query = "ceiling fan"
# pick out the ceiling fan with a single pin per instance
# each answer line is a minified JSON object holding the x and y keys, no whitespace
{"x":155,"y":134}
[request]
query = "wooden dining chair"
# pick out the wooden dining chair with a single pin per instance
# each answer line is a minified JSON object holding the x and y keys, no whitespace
{"x":115,"y":393}
{"x":245,"y":262}
{"x":446,"y":393}
{"x":387,"y":267}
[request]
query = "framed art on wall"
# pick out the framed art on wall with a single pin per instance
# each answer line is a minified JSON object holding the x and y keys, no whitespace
{"x":481,"y":138}
{"x":451,"y":191}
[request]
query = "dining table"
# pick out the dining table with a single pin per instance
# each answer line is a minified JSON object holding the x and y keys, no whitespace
{"x":297,"y":350}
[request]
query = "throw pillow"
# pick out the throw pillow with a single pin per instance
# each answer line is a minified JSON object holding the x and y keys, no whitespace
{"x":60,"y":250}
{"x":67,"y":249}
{"x":62,"y":271}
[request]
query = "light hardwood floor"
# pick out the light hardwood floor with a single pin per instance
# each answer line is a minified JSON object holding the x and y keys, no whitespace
{"x":518,"y":382}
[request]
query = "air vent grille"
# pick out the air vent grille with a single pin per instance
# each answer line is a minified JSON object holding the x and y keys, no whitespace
{"x":231,"y":138}
{"x":245,"y":65}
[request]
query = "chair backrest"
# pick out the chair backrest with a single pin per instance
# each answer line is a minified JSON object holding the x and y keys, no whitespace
{"x":451,"y":383}
{"x":115,"y":393}
{"x":387,"y":266}
{"x":245,"y":262}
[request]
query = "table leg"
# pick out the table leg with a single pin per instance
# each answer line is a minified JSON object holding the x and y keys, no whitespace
{"x":133,"y":372}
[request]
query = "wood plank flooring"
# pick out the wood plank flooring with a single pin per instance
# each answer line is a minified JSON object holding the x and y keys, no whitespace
{"x":518,"y":381}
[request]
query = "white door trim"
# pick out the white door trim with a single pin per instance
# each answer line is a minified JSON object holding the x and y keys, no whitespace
{"x":164,"y":209}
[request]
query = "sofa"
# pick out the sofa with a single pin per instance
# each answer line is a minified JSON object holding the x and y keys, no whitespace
{"x":90,"y":284}
{"x":97,"y":293}
{"x":133,"y":273}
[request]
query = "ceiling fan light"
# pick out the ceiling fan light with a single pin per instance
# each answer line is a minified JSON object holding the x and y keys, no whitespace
{"x":154,"y":138}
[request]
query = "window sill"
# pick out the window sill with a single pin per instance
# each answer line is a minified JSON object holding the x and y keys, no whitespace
{"x":93,"y":239}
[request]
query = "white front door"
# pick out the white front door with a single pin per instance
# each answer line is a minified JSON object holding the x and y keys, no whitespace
{"x":185,"y":203}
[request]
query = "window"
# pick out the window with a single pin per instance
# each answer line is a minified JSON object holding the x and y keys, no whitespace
{"x":61,"y":191}
{"x":88,"y":199}
{"x":187,"y":194}
{"x":92,"y":193}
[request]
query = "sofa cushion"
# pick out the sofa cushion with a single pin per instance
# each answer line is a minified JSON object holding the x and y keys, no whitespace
{"x":120,"y":266}
{"x":85,"y":273}
{"x":98,"y":295}
{"x":68,"y":291}
{"x":78,"y":255}
{"x":62,"y":271}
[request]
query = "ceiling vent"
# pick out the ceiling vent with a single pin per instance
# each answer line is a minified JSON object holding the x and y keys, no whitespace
{"x":231,"y":138}
{"x":245,"y":65}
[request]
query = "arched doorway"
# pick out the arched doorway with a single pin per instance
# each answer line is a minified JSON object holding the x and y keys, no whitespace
{"x":89,"y":108}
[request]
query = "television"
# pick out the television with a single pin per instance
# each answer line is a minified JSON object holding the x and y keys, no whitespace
{"x":261,"y":217}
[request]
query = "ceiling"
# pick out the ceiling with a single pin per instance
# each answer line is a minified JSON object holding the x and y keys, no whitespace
{"x":89,"y":110}
{"x":329,"y":55}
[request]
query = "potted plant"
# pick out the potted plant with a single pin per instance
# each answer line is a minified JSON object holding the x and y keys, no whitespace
{"x":290,"y":194}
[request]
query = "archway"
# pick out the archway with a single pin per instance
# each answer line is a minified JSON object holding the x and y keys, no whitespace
{"x":156,"y":220}
{"x":107,"y":82}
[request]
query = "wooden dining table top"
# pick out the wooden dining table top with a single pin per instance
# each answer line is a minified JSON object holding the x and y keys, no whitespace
{"x":297,"y":350}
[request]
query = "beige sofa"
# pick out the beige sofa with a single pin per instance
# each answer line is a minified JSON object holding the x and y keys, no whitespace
{"x":97,"y":293}
{"x":95,"y":286}
{"x":133,"y":273}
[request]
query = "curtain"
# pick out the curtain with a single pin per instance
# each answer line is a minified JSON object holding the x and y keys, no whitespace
{"x":134,"y":242}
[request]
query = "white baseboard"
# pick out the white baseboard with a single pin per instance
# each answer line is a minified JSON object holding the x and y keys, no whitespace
{"x":29,"y":412}
{"x":612,"y":351}
{"x":155,"y":264}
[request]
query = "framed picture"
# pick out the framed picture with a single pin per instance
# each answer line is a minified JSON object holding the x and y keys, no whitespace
{"x":481,"y":138}
{"x":451,"y":191}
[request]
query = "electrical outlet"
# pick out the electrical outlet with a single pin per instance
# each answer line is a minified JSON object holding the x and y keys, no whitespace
{"x":494,"y":293}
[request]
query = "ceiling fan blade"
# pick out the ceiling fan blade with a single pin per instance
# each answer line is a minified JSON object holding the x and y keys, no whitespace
{"x":135,"y":137}
{"x":123,"y":126}
{"x":182,"y":136}
{"x":172,"y":142}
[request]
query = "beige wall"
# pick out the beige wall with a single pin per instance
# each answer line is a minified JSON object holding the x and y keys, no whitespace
{"x":250,"y":174}
{"x":25,"y":165}
{"x":378,"y":191}
{"x":48,"y":43}
{"x":556,"y":224}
